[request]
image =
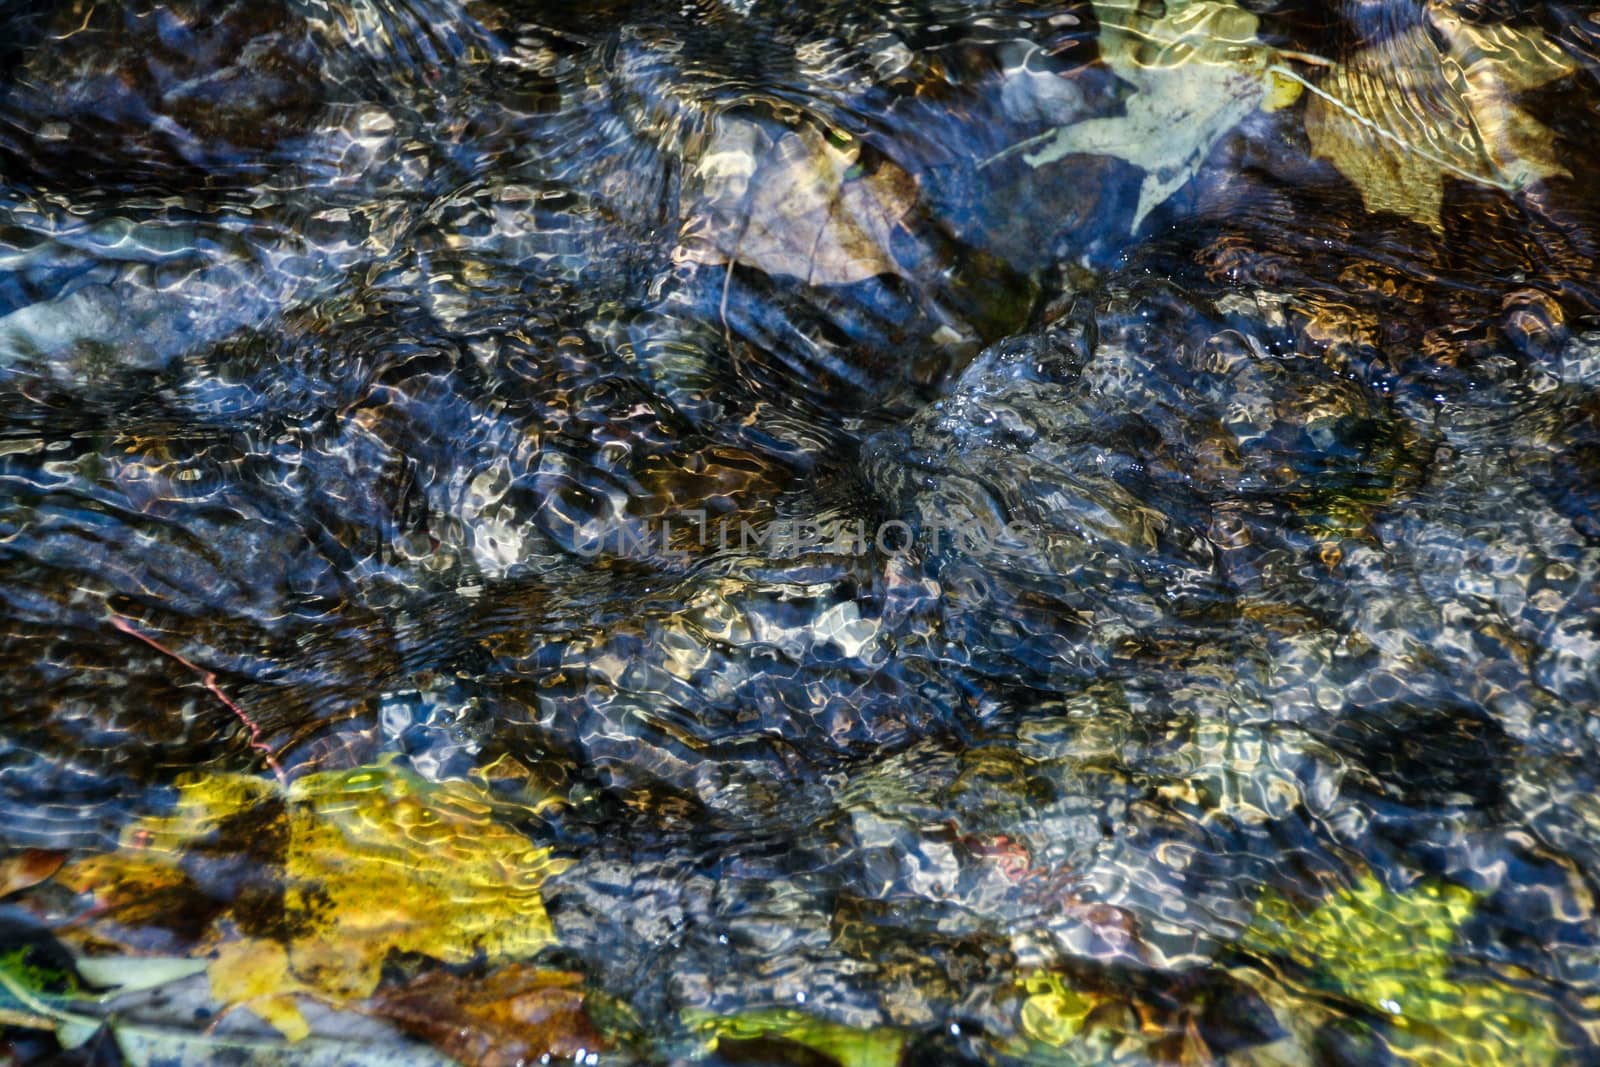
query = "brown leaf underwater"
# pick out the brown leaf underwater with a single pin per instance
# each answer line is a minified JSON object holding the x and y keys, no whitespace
{"x":1403,"y":115}
{"x":28,"y":868}
{"x":800,"y":204}
{"x":517,"y":1014}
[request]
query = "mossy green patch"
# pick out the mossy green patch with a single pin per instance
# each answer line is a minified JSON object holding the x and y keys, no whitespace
{"x":1394,"y":954}
{"x":850,"y":1046}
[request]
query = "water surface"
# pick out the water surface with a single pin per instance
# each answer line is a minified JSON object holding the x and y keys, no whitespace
{"x":930,"y":532}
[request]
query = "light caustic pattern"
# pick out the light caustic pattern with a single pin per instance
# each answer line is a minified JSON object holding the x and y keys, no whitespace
{"x":833,"y":533}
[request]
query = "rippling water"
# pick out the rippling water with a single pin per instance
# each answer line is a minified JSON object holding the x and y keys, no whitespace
{"x":930,"y":532}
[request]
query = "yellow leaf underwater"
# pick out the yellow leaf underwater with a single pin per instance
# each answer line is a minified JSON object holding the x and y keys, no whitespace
{"x":1053,"y":1013}
{"x":255,"y":975}
{"x":1405,"y":114}
{"x":368,"y":862}
{"x":1393,"y":953}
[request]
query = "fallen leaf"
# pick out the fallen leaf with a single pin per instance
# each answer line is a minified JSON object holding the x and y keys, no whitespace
{"x":1197,"y":71}
{"x":370,"y":862}
{"x":518,"y":1014}
{"x":117,"y":975}
{"x":255,"y":975}
{"x":1403,"y":115}
{"x":801,"y":205}
{"x":1053,"y":1013}
{"x":142,"y":903}
{"x":34,"y":961}
{"x":28,"y":868}
{"x":99,"y":1048}
{"x":35,"y":994}
{"x":1395,"y":954}
{"x":849,"y":1046}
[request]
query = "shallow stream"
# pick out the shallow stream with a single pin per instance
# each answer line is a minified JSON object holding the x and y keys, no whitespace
{"x":837,"y":533}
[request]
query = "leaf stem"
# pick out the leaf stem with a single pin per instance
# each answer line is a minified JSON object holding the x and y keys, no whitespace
{"x":28,"y":1000}
{"x":1308,"y":58}
{"x":1389,"y":135}
{"x":209,"y":680}
{"x":1021,"y":146}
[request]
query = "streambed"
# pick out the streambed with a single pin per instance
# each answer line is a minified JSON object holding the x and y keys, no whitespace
{"x":833,"y":533}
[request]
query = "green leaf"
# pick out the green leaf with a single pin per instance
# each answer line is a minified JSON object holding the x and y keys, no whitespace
{"x":849,"y":1045}
{"x":22,"y":968}
{"x":1053,"y":1013}
{"x":1393,"y":953}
